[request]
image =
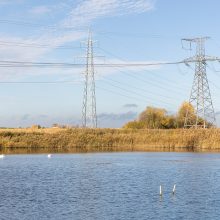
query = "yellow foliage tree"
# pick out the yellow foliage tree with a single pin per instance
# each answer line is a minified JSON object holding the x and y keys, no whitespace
{"x":156,"y":118}
{"x":186,"y":109}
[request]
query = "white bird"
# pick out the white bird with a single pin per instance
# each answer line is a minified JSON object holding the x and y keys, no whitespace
{"x":174,"y":188}
{"x":49,"y":155}
{"x":161,"y":192}
{"x":2,"y":156}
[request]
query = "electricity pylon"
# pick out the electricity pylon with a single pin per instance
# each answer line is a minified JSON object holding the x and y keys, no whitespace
{"x":89,"y":117}
{"x":200,"y":97}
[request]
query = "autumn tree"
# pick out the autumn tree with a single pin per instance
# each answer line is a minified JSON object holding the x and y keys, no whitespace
{"x":156,"y":118}
{"x":186,"y":109}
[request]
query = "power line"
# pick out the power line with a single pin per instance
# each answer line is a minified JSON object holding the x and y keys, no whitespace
{"x":213,"y":70}
{"x":8,"y":63}
{"x":25,"y":23}
{"x":134,"y":93}
{"x":38,"y":82}
{"x":34,"y":45}
{"x":138,"y":35}
{"x":134,"y":98}
{"x":40,"y":25}
{"x":135,"y":87}
{"x":138,"y":76}
{"x":120,"y":94}
{"x":143,"y":80}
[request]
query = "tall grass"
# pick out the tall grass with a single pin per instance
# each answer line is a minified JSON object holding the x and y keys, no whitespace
{"x":90,"y":140}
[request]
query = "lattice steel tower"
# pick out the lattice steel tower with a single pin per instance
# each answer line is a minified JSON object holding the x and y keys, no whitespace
{"x":200,"y":97}
{"x":89,"y":117}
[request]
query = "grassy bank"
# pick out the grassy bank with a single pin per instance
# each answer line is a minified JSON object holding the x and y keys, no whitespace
{"x":103,"y":140}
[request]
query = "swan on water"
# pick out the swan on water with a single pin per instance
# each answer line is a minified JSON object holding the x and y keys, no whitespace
{"x":49,"y":155}
{"x":2,"y":156}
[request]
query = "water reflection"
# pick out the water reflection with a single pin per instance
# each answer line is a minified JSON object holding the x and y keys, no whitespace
{"x":67,"y":150}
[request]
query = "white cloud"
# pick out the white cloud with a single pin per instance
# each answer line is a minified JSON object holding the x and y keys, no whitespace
{"x":31,"y":54}
{"x":83,"y":14}
{"x":90,"y":10}
{"x":52,"y":9}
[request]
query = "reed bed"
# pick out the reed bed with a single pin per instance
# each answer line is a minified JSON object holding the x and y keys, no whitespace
{"x":108,"y":140}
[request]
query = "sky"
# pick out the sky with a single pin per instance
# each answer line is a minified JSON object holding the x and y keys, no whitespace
{"x":131,"y":31}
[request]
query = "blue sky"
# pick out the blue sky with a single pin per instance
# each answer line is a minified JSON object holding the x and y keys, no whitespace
{"x":126,"y":30}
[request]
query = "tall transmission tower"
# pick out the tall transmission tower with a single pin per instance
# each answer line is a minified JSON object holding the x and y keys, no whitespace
{"x":89,"y":117}
{"x":200,"y":97}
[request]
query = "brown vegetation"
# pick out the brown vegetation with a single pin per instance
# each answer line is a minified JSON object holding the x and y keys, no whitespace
{"x":92,"y":140}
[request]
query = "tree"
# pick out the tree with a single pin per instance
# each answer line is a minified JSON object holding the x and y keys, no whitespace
{"x":186,"y":109}
{"x":156,"y":118}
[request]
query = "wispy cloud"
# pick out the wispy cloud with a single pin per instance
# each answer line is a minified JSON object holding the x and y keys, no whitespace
{"x":84,"y":13}
{"x":31,"y":54}
{"x":52,"y":9}
{"x":90,"y":10}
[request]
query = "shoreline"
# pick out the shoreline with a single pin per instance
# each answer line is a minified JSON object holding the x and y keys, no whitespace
{"x":25,"y":152}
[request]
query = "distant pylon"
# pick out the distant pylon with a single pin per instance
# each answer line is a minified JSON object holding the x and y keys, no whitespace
{"x":89,"y":117}
{"x":200,"y":97}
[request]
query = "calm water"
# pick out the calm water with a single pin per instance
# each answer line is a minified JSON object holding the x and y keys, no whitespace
{"x":110,"y":186}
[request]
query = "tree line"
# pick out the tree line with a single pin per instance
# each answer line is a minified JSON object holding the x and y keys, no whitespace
{"x":159,"y":118}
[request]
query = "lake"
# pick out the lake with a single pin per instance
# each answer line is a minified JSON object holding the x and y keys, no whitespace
{"x":106,"y":186}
